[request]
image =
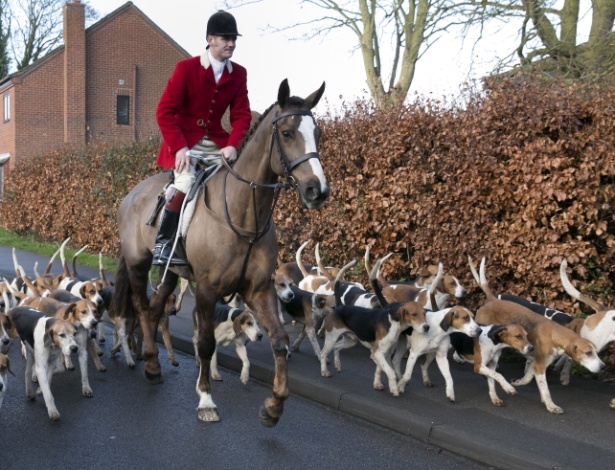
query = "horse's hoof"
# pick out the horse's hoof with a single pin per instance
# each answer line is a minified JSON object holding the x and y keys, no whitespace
{"x":266,"y":419}
{"x":154,"y":379}
{"x":208,"y":414}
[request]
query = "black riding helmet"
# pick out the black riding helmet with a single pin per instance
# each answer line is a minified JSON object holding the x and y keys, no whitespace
{"x":222,"y":23}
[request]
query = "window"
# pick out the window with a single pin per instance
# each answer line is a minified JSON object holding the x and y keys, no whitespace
{"x":123,"y":106}
{"x":4,"y":158}
{"x":7,"y":107}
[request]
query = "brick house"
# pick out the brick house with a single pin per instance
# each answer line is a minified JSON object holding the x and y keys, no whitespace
{"x":102,"y":84}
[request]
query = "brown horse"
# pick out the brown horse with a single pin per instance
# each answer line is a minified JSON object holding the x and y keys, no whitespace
{"x":230,"y":244}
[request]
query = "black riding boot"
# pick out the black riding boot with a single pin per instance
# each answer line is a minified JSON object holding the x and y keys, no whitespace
{"x":167,"y":229}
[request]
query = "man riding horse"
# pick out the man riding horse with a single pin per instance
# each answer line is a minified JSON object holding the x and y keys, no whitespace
{"x":231,"y":242}
{"x":190,"y":117}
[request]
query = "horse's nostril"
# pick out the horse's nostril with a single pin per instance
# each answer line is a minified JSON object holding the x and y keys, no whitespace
{"x":313,"y":193}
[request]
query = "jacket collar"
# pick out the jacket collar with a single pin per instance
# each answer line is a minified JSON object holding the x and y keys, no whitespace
{"x":206,"y":63}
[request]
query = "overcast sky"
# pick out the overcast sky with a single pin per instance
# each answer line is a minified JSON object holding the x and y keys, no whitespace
{"x":270,"y":57}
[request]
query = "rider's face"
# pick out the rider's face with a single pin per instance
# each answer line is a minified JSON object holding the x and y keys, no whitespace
{"x":222,"y":47}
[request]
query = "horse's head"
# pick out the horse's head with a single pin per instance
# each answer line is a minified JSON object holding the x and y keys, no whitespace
{"x":296,"y":135}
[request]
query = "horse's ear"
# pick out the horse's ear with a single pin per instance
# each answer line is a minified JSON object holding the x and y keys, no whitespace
{"x":283,"y":93}
{"x":314,"y":98}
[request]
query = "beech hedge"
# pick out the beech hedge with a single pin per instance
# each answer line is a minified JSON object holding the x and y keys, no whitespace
{"x":521,"y":173}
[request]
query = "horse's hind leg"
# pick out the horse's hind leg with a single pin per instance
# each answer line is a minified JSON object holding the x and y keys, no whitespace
{"x":264,"y":306}
{"x":205,"y":345}
{"x":150,"y":311}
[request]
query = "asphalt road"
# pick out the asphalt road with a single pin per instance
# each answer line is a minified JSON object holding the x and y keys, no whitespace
{"x":521,"y":435}
{"x":129,"y":424}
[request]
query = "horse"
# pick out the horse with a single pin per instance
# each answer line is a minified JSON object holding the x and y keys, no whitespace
{"x":230,"y":244}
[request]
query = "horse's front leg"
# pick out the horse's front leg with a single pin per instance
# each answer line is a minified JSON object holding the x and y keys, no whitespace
{"x":205,"y":346}
{"x":264,"y":306}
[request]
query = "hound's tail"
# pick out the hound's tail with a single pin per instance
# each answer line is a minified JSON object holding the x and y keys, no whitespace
{"x":325,"y":272}
{"x":121,"y":302}
{"x":374,"y":277}
{"x":433,"y":286}
{"x":573,"y":292}
{"x":52,"y":259}
{"x":481,"y":279}
{"x":74,"y":263}
{"x":298,"y":260}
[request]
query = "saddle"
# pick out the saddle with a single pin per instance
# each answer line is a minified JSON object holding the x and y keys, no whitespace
{"x":202,"y":175}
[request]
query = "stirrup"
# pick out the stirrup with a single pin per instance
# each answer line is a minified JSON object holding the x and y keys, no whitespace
{"x":162,"y":253}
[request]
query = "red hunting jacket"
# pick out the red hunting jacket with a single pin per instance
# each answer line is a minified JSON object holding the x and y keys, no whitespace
{"x":192,"y":106}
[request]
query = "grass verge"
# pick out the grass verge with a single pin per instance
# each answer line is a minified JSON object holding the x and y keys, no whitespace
{"x":33,"y":244}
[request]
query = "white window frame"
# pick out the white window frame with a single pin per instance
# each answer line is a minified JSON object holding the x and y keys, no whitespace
{"x":7,"y":107}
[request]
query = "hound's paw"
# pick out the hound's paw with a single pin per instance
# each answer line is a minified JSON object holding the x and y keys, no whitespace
{"x":325,"y":373}
{"x":54,"y":415}
{"x":87,"y":392}
{"x":498,"y":402}
{"x":612,"y":404}
{"x":510,"y":390}
{"x":216,"y":377}
{"x":458,"y":358}
{"x":451,"y":398}
{"x":173,"y":362}
{"x":378,"y":387}
{"x":555,"y":409}
{"x":428,"y":383}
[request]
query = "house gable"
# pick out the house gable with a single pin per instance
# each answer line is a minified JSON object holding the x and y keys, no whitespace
{"x":125,"y":54}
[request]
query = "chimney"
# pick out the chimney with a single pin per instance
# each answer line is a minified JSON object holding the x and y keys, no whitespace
{"x":74,"y":73}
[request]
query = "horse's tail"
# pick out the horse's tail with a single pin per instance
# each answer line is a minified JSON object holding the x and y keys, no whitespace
{"x":121,"y":302}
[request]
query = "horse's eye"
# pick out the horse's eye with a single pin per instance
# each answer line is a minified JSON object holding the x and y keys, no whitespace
{"x":286,"y":134}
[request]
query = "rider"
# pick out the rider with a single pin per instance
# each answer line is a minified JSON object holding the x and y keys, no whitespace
{"x":189,"y":116}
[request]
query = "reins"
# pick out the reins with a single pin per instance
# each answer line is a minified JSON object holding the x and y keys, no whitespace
{"x":290,"y":183}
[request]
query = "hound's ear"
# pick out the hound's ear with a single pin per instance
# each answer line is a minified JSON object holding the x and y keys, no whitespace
{"x":283,"y":93}
{"x":321,"y":301}
{"x":445,"y":324}
{"x":496,"y":333}
{"x":48,"y":338}
{"x":82,"y":290}
{"x":424,"y":272}
{"x":70,"y":310}
{"x":314,"y":98}
{"x":8,"y":366}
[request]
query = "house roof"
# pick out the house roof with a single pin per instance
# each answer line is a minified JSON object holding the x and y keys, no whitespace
{"x":6,"y":81}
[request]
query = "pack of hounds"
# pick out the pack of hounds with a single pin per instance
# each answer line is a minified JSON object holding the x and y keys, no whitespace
{"x":58,"y":316}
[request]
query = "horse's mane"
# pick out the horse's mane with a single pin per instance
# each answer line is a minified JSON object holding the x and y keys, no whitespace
{"x":252,"y":130}
{"x":293,"y":101}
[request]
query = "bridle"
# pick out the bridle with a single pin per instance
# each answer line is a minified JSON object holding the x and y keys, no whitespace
{"x":290,"y":183}
{"x":287,"y":165}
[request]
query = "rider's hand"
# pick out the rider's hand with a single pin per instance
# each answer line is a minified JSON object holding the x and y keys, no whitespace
{"x":229,"y":153}
{"x":182,"y":161}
